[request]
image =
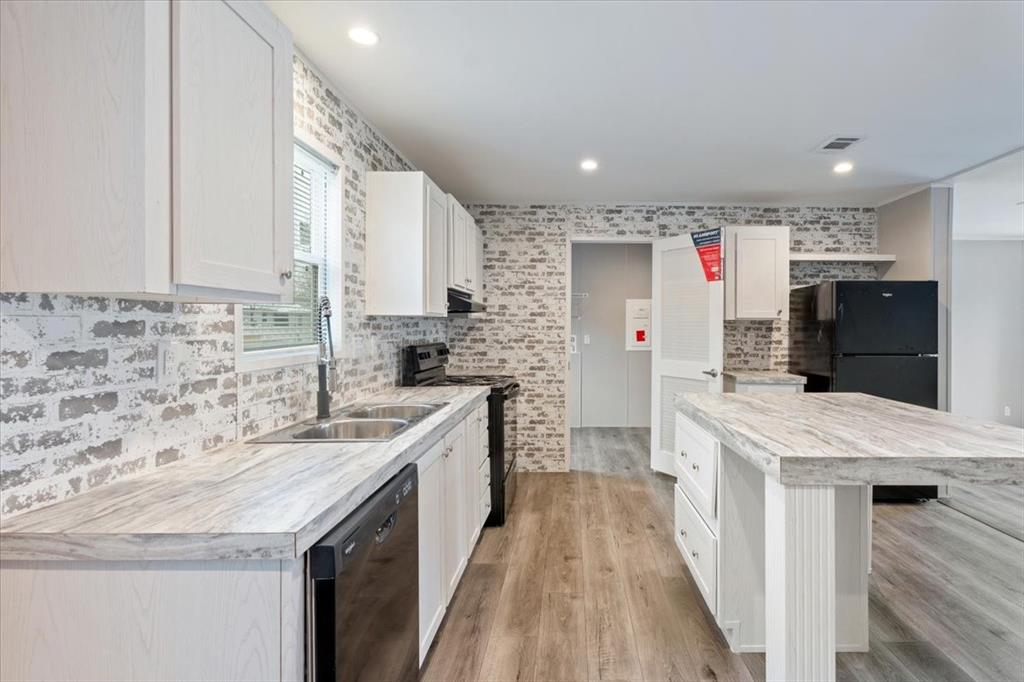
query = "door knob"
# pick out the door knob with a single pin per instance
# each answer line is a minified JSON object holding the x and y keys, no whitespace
{"x":711,"y":372}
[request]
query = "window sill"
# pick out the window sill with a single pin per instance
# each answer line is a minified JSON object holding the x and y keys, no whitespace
{"x":276,"y":358}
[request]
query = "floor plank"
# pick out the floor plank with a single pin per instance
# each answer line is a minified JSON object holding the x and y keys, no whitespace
{"x":562,"y":643}
{"x":509,"y":659}
{"x":611,"y":646}
{"x":998,"y":506}
{"x":460,"y":654}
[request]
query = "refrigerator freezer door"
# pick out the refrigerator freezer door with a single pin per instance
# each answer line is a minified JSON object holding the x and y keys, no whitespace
{"x":886,"y":318}
{"x":909,"y":379}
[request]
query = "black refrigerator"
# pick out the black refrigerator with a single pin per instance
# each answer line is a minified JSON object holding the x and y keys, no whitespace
{"x":875,"y":337}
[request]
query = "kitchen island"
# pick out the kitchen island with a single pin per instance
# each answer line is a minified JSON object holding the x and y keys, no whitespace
{"x":806,"y":453}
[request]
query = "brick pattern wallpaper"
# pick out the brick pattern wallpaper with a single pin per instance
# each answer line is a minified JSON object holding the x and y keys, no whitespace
{"x":525,"y":283}
{"x":80,"y":404}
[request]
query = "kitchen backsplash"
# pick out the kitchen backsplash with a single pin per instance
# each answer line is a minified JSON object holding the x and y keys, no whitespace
{"x":525,"y":284}
{"x":80,"y":401}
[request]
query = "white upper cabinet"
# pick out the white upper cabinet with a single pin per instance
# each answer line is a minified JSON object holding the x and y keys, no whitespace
{"x":463,"y":248}
{"x":406,"y":245}
{"x":232,"y":122}
{"x":100,"y":146}
{"x":757,"y":272}
{"x":478,"y":294}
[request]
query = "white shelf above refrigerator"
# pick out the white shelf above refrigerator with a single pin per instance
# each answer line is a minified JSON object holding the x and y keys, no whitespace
{"x":841,"y":257}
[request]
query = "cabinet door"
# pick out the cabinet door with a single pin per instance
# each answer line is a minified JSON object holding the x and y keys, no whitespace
{"x":435,"y":270}
{"x":478,"y":283}
{"x":471,"y":254}
{"x":430,"y":468}
{"x":454,"y":527}
{"x":759,"y":273}
{"x":457,"y":226}
{"x":232,"y":147}
{"x":471,"y":488}
{"x":85,"y":144}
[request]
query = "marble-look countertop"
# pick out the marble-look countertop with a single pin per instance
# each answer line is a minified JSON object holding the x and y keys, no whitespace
{"x":853,"y":438}
{"x":764,"y":376}
{"x":243,"y":501}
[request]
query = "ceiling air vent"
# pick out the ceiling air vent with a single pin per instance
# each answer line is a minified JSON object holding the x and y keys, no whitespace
{"x":838,"y":143}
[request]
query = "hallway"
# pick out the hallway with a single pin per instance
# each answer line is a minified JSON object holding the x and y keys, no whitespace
{"x":584,"y":583}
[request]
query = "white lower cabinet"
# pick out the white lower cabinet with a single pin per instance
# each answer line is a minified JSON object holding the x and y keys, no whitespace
{"x":453,"y":504}
{"x":720,"y":531}
{"x":450,"y":518}
{"x":699,"y":547}
{"x":430,"y":469}
{"x":478,"y":472}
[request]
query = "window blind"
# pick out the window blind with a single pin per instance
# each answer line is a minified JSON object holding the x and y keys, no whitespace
{"x":268,"y":327}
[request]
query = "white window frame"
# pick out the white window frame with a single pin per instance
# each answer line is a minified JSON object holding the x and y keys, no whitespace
{"x":276,"y":358}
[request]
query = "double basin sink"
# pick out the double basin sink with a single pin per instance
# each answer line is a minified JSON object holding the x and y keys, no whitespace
{"x":358,"y":423}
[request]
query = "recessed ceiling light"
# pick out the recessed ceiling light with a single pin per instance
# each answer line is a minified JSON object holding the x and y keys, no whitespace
{"x":363,"y":35}
{"x":589,"y":165}
{"x":842,"y":167}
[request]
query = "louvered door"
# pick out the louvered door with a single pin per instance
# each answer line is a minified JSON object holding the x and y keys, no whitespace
{"x":687,"y":314}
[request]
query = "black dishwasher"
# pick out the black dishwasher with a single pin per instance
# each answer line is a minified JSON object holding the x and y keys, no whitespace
{"x":364,"y":590}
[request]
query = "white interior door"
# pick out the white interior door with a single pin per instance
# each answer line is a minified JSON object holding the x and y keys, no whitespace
{"x":687,"y":313}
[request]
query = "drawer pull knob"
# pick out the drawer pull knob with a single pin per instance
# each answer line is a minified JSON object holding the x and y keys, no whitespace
{"x":695,"y":554}
{"x":682,"y":453}
{"x":695,"y":467}
{"x":682,"y":533}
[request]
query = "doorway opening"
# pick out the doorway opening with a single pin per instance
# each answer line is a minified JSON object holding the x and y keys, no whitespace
{"x":609,"y":342}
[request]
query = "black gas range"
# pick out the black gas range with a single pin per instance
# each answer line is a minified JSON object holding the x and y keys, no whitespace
{"x":426,"y":365}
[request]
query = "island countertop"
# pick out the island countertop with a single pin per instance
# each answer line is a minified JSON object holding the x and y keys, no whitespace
{"x":764,"y":376}
{"x":856,"y":439}
{"x":242,"y":501}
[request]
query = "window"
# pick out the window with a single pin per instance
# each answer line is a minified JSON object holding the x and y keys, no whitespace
{"x":281,"y":334}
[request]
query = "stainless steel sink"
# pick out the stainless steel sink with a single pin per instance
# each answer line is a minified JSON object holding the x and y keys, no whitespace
{"x":352,"y":429}
{"x":392,"y":411}
{"x":357,"y":423}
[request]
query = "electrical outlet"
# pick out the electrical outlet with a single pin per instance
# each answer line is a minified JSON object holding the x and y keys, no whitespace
{"x":586,"y":339}
{"x":1006,"y":410}
{"x":169,"y":356}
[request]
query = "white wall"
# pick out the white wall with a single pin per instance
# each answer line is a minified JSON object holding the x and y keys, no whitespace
{"x":986,"y":361}
{"x":613,"y":385}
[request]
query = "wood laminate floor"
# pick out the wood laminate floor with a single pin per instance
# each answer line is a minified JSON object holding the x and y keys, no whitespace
{"x":999,"y":506}
{"x":585,"y":583}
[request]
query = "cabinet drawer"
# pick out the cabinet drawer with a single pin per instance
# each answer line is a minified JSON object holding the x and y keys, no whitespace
{"x":699,"y":548}
{"x":485,"y":504}
{"x":484,"y":475}
{"x":696,"y":462}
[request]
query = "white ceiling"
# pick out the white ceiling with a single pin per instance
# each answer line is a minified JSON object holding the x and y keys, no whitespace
{"x":988,"y":202}
{"x":689,"y":102}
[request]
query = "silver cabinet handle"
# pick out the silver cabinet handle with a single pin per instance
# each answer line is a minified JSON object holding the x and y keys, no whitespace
{"x":779,"y":313}
{"x":696,"y":467}
{"x":710,"y":372}
{"x":682,"y":453}
{"x":694,"y":554}
{"x":287,"y":274}
{"x":682,"y":533}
